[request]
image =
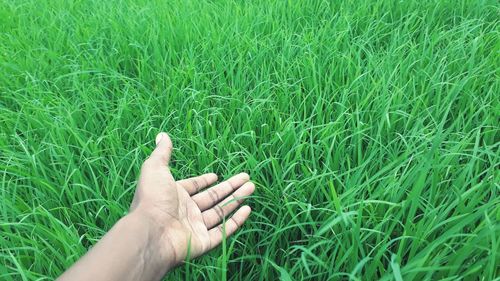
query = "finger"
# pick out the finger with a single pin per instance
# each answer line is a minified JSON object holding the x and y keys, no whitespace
{"x":215,"y":215}
{"x":218,"y":233}
{"x":195,"y":184}
{"x":161,"y":154}
{"x":213,"y":195}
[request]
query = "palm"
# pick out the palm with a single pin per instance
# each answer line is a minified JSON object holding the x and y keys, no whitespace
{"x":191,"y":216}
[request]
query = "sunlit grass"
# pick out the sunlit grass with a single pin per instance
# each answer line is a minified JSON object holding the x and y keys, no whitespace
{"x":369,"y":127}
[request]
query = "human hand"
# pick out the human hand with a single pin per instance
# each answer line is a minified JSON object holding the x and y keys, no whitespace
{"x":181,"y":214}
{"x":168,"y":220}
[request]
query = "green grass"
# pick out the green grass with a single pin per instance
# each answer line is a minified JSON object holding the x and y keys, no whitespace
{"x":371,"y":129}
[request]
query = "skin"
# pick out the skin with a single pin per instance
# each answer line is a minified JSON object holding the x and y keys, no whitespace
{"x":168,"y":220}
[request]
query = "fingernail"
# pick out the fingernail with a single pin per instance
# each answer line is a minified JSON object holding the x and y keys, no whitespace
{"x":159,"y":137}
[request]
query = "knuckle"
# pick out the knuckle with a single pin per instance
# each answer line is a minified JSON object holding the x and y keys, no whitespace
{"x":235,"y":222}
{"x":219,"y":211}
{"x":231,"y":186}
{"x":163,"y":157}
{"x":197,"y":186}
{"x":213,"y":195}
{"x":204,"y":180}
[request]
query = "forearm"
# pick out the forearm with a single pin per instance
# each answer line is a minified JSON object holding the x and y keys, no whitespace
{"x":129,"y":251}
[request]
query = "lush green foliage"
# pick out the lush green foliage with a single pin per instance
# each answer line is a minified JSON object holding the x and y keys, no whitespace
{"x":371,"y":129}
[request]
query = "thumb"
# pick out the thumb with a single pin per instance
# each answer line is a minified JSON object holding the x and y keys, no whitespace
{"x":163,"y":149}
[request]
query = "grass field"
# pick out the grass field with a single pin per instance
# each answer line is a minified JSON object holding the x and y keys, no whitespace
{"x":371,"y":130}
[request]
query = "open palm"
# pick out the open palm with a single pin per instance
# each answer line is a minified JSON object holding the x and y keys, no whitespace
{"x":189,"y":216}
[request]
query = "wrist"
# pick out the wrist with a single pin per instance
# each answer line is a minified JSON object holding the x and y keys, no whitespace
{"x":151,"y":255}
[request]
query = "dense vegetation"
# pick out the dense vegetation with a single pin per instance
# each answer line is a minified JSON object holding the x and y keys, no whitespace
{"x":371,"y":129}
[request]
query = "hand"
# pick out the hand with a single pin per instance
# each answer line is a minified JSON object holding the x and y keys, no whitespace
{"x":182,"y":214}
{"x":168,"y":221}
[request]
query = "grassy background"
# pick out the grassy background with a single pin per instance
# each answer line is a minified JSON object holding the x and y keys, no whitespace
{"x":371,"y":129}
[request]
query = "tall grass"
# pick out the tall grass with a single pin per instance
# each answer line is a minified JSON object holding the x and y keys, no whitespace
{"x":371,"y":129}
